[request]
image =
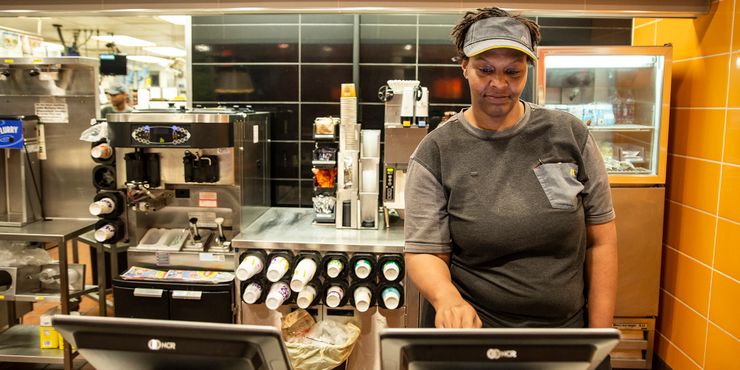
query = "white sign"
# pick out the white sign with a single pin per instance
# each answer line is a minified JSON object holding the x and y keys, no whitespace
{"x":52,"y":112}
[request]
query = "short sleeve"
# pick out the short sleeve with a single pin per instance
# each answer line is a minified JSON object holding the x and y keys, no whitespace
{"x":426,"y":225}
{"x":597,"y":199}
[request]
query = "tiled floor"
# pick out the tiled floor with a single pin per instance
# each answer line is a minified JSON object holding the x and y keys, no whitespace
{"x":88,"y":307}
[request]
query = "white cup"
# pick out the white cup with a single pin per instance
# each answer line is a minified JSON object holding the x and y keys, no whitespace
{"x":391,"y":270}
{"x":252,"y":293}
{"x":304,"y":272}
{"x":104,"y":233}
{"x":370,"y":143}
{"x":279,"y":292}
{"x":101,"y":151}
{"x":334,"y":268}
{"x":363,"y":268}
{"x":277,"y":268}
{"x":306,"y":296}
{"x":369,"y":180}
{"x":250,"y":266}
{"x":391,"y":298}
{"x":334,"y":296}
{"x":363,"y":296}
{"x":103,"y":206}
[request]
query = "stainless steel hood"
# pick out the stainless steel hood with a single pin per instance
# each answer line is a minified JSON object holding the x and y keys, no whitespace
{"x":566,"y":8}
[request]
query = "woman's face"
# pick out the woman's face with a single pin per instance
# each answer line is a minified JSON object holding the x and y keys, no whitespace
{"x":497,"y":78}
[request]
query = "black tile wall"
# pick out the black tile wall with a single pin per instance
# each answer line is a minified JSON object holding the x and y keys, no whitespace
{"x":293,"y":65}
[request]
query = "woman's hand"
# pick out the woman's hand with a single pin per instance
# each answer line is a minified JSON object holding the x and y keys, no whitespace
{"x":431,"y":275}
{"x":456,"y":314}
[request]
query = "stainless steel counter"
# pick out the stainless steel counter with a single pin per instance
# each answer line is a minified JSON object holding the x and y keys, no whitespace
{"x":56,"y":231}
{"x":288,"y":228}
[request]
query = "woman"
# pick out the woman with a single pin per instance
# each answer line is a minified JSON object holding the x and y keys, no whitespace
{"x":509,"y":220}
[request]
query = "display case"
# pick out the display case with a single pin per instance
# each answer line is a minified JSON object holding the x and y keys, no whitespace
{"x":622,"y":94}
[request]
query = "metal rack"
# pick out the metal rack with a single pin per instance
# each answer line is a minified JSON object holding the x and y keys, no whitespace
{"x":20,"y":343}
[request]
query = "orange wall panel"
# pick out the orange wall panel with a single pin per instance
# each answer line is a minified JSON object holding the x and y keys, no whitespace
{"x":693,"y":86}
{"x":727,"y":255}
{"x":693,"y":182}
{"x":683,"y":327}
{"x":729,"y":204}
{"x":722,"y":350}
{"x":732,"y":137}
{"x":644,"y":36}
{"x":697,"y":133}
{"x":702,"y":36}
{"x":724,"y":306}
{"x":673,"y":356}
{"x":689,"y":231}
{"x":686,"y":279}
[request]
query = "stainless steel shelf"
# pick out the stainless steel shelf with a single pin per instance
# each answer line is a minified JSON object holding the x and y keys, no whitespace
{"x":20,"y":343}
{"x":291,"y":228}
{"x":53,"y":297}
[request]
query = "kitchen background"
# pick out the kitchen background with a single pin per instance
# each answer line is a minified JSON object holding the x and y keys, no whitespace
{"x":294,"y":64}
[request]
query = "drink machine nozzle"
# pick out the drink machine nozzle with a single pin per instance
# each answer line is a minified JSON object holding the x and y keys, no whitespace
{"x":194,"y":228}
{"x":220,"y":224}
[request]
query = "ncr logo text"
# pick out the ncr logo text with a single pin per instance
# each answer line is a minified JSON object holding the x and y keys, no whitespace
{"x":157,"y":345}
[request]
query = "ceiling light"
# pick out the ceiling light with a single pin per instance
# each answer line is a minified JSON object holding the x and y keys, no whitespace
{"x":203,"y":48}
{"x":123,"y":40}
{"x":149,"y":59}
{"x":166,"y":51}
{"x":600,"y":61}
{"x":180,"y":20}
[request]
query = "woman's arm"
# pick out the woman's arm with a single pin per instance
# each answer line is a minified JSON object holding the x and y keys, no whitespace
{"x":431,"y":275}
{"x":601,"y":274}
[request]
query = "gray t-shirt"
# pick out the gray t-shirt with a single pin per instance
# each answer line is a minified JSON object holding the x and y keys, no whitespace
{"x":511,"y":207}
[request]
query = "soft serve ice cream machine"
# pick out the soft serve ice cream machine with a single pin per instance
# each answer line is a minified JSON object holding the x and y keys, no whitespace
{"x":182,"y":181}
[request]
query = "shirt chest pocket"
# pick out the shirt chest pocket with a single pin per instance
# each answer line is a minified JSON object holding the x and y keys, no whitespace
{"x":560,"y":183}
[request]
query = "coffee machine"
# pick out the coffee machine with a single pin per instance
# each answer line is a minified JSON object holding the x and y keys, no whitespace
{"x":406,"y":124}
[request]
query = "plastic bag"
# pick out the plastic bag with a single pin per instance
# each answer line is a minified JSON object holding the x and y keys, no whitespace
{"x":21,"y":254}
{"x":365,"y":356}
{"x":326,"y":346}
{"x":95,"y":132}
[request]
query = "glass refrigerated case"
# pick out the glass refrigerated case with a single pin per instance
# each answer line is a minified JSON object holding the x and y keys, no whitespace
{"x":622,"y":94}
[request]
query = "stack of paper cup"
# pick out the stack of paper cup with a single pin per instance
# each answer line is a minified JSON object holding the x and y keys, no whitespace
{"x":334,"y":296}
{"x":391,"y":270}
{"x":334,"y":268}
{"x":348,"y":104}
{"x":306,"y":296}
{"x":391,"y":298}
{"x":279,"y":293}
{"x":369,"y":180}
{"x":363,"y":268}
{"x":304,"y":272}
{"x":252,"y":292}
{"x":370,"y":143}
{"x":103,"y":206}
{"x":104,"y":233}
{"x":277,"y":268}
{"x":250,"y":266}
{"x":362,"y":297}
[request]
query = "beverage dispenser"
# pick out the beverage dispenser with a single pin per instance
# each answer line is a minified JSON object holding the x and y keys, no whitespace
{"x":20,"y":203}
{"x":406,"y":115}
